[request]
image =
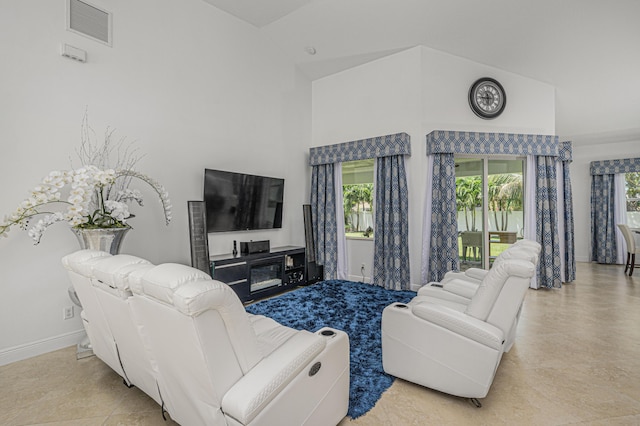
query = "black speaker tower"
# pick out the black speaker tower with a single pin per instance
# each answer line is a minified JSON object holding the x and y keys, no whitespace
{"x":314,"y":272}
{"x":198,"y":236}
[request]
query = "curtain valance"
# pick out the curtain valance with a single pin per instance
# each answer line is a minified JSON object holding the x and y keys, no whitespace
{"x":612,"y":167}
{"x":566,"y":151}
{"x":456,"y":142}
{"x":381,"y":146}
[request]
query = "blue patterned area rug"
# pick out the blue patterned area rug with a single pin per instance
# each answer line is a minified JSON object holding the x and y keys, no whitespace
{"x":356,"y":308}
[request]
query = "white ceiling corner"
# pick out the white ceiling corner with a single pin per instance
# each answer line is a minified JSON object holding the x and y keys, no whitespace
{"x":258,"y":12}
{"x":587,"y":49}
{"x":318,"y":68}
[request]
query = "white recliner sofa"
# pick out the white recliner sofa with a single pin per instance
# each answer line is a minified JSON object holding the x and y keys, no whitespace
{"x":460,"y":287}
{"x":454,"y":347}
{"x":187,"y":341}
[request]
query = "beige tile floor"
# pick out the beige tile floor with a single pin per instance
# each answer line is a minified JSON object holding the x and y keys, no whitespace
{"x":576,"y":361}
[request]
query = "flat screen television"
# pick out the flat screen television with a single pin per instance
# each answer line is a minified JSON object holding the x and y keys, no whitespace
{"x":240,"y":202}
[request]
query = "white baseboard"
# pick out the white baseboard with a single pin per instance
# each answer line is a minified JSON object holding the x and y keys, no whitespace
{"x":358,"y":278}
{"x":29,"y":350}
{"x":415,"y":287}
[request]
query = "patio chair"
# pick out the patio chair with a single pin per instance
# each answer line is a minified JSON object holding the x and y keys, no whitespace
{"x":632,"y":247}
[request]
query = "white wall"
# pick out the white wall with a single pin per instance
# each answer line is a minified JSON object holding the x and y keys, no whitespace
{"x":378,"y":98}
{"x":417,"y":91}
{"x":193,"y":86}
{"x":359,"y":253}
{"x":583,"y":155}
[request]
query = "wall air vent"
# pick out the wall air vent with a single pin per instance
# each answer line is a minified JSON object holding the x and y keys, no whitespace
{"x":88,"y":20}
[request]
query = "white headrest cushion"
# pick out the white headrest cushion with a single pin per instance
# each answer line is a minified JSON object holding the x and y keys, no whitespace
{"x":198,"y":296}
{"x":112,"y":270}
{"x":519,"y":252}
{"x":528,"y":243}
{"x":133,"y":275}
{"x":82,"y":261}
{"x":161,"y":281}
{"x":492,"y":284}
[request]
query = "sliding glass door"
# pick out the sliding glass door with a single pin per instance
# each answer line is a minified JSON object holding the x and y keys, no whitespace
{"x":490,"y":201}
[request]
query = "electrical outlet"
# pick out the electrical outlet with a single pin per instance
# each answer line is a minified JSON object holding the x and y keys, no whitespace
{"x":67,"y":312}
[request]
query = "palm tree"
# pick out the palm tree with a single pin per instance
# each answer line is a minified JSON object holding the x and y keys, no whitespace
{"x":505,"y":195}
{"x":468,"y":198}
{"x":356,"y":195}
{"x":633,"y":191}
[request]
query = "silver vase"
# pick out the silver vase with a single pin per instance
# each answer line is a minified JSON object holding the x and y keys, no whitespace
{"x":103,"y":239}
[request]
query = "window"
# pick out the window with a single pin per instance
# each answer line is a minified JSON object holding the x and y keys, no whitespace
{"x":632,"y":187}
{"x":357,"y":193}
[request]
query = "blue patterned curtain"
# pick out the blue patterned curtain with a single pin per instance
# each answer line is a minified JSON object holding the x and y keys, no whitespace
{"x":603,"y":201}
{"x":444,"y":221}
{"x":569,"y":245}
{"x":323,"y":210}
{"x":391,"y":255}
{"x":547,"y":222}
{"x":603,"y":226}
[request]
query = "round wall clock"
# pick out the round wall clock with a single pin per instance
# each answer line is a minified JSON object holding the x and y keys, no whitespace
{"x":487,"y":98}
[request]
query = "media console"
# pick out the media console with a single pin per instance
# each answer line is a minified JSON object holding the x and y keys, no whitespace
{"x":260,"y":275}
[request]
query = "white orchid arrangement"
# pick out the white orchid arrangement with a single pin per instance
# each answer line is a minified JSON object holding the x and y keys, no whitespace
{"x":91,"y":201}
{"x":89,"y":197}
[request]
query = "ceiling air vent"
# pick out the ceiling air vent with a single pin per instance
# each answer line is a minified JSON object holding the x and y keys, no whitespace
{"x":88,"y":20}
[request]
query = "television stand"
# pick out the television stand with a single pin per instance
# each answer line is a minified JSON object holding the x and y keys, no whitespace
{"x":260,"y":275}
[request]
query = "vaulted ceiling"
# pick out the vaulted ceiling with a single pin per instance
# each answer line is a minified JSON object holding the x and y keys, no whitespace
{"x":589,"y":50}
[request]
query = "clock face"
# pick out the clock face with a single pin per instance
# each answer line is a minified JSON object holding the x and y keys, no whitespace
{"x":487,"y":98}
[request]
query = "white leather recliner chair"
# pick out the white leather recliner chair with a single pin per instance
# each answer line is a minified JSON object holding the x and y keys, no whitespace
{"x":452,"y":347}
{"x":219,"y":365}
{"x":111,"y":286}
{"x":460,"y":287}
{"x":79,"y":266}
{"x":475,"y":275}
{"x":101,"y":282}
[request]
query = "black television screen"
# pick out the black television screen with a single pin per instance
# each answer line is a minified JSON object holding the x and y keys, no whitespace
{"x":240,"y":202}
